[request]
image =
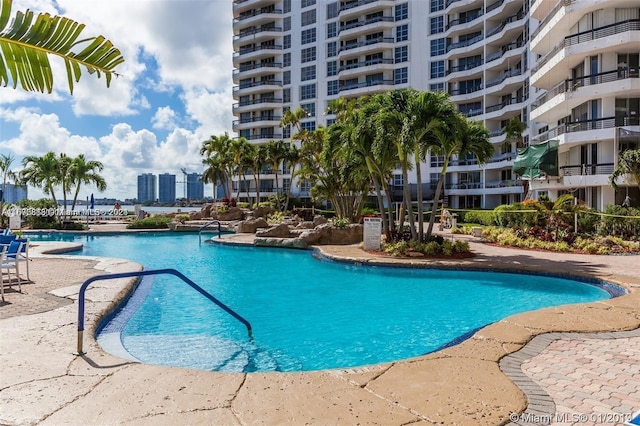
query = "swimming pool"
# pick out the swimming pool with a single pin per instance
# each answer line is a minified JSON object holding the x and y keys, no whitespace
{"x":307,"y":314}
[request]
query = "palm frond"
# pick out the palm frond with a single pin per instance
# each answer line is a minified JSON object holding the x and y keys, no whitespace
{"x":26,"y":44}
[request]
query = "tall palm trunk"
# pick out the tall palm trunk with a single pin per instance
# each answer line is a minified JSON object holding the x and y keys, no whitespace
{"x":407,"y":199}
{"x":419,"y":195}
{"x":436,"y":200}
{"x":385,"y":223}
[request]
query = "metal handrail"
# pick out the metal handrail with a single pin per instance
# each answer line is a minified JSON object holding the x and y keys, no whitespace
{"x":206,"y":225}
{"x":195,"y":286}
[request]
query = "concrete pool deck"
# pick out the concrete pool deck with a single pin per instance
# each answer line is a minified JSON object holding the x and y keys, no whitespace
{"x":594,"y":373}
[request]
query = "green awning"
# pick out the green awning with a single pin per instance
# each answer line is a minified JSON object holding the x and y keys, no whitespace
{"x":537,"y":161}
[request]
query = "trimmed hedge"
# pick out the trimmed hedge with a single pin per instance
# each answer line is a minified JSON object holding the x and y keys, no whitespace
{"x":155,"y":222}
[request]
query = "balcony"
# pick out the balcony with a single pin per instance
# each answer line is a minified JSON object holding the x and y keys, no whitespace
{"x":585,"y":126}
{"x":504,"y":50}
{"x":465,"y":43}
{"x":258,"y":104}
{"x":504,"y":76}
{"x":465,"y":90}
{"x":587,"y":169}
{"x":354,"y":8}
{"x":366,"y":22}
{"x":504,"y":23}
{"x":373,"y":41}
{"x":366,"y":85}
{"x":464,"y":20}
{"x":501,"y":105}
{"x":255,"y":33}
{"x":266,"y":85}
{"x":269,"y":119}
{"x":584,"y":38}
{"x":465,"y":67}
{"x":261,"y":50}
{"x":363,"y":64}
{"x":574,"y":84}
{"x":247,"y":71}
{"x":257,"y":15}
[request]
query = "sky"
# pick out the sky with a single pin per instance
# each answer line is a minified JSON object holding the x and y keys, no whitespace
{"x":173,"y":92}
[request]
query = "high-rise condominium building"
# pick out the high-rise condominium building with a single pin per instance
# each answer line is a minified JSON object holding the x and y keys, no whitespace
{"x":587,"y":90}
{"x":167,"y":188}
{"x":146,"y":187}
{"x":12,"y":193}
{"x":195,"y":186}
{"x":290,"y":54}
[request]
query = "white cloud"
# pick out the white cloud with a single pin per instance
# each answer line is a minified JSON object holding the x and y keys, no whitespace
{"x":164,"y":118}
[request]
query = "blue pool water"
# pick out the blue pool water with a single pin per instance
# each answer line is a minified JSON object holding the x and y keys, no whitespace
{"x":308,"y":314}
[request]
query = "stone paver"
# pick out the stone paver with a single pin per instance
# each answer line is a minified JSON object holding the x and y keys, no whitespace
{"x":473,"y":383}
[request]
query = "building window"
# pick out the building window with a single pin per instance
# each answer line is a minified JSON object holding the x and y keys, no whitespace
{"x":402,"y":54}
{"x":286,"y":60}
{"x":307,"y":92}
{"x":308,"y":54}
{"x":308,"y":36}
{"x":309,"y":126}
{"x":402,"y":11}
{"x":437,"y":25}
{"x":438,"y":87}
{"x":286,"y":41}
{"x":401,"y":75}
{"x":398,"y":180}
{"x":286,"y":23}
{"x":332,"y":87}
{"x":286,"y":6}
{"x":437,"y":69}
{"x":437,"y":5}
{"x":310,"y":109}
{"x":402,"y":33}
{"x":332,"y":10}
{"x":332,"y":29}
{"x":332,"y":68}
{"x":438,"y":47}
{"x":286,"y":132}
{"x":286,"y":95}
{"x":308,"y":73}
{"x":308,"y":17}
{"x":307,"y":3}
{"x":332,"y":49}
{"x":286,"y":77}
{"x":305,"y":186}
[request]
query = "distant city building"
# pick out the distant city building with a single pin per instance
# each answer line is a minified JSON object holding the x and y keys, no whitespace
{"x":195,"y":186}
{"x":146,"y":187}
{"x":13,"y":193}
{"x":167,"y":188}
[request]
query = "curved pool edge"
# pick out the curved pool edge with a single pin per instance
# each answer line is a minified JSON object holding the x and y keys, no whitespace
{"x":468,"y":377}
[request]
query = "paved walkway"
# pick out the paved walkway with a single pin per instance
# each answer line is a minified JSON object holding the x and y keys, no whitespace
{"x":561,"y":376}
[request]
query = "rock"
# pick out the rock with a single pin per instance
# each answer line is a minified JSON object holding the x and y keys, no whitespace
{"x":233,"y":213}
{"x":206,"y":210}
{"x":262,"y":211}
{"x":280,"y":242}
{"x":305,"y":225}
{"x":351,"y":234}
{"x":250,"y":226}
{"x":319,"y":220}
{"x":195,"y":216}
{"x":280,"y":231}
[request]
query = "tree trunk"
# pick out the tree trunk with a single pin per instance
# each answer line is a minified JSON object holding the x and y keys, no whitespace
{"x":434,"y":208}
{"x":419,"y":195}
{"x":376,"y":185}
{"x":392,"y":222}
{"x":407,"y":201}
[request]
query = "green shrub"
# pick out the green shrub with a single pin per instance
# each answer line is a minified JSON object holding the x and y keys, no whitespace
{"x":483,"y":217}
{"x":154,"y":222}
{"x":45,"y":214}
{"x":461,"y":246}
{"x":275,"y":217}
{"x":397,"y":248}
{"x":243,"y":205}
{"x":222,"y":209}
{"x":340,"y":222}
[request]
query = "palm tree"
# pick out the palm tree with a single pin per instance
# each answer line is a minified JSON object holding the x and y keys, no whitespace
{"x":25,"y":47}
{"x":426,"y":111}
{"x":291,"y":158}
{"x":83,"y":171}
{"x":275,"y":154}
{"x":457,"y":135}
{"x":392,"y":123}
{"x":256,"y":159}
{"x":513,"y":131}
{"x":628,"y":163}
{"x":214,"y":173}
{"x":217,"y":154}
{"x":7,"y":173}
{"x":237,"y":156}
{"x":42,"y":172}
{"x":64,"y":178}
